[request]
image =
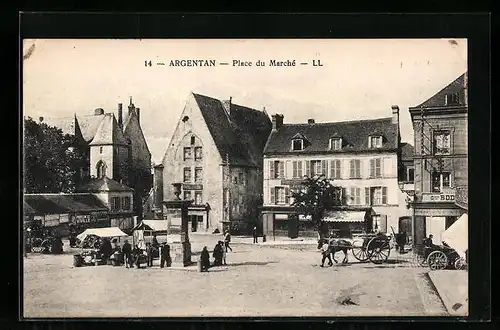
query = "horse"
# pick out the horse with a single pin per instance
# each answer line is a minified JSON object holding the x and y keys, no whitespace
{"x":336,"y":245}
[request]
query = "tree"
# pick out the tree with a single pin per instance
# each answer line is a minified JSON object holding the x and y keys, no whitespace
{"x":316,"y":196}
{"x":52,"y":163}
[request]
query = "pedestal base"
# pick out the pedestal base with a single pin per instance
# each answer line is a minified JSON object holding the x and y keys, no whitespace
{"x":182,"y":254}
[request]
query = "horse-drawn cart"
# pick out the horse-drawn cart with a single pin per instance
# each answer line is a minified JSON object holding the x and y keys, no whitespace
{"x":375,"y":248}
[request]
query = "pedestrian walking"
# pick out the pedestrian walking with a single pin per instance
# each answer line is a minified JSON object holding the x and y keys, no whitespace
{"x":255,"y":235}
{"x":325,"y":251}
{"x":227,"y":240}
{"x":205,"y":259}
{"x":223,"y":256}
{"x":127,"y":254}
{"x":149,"y":255}
{"x":165,"y":256}
{"x":218,"y":253}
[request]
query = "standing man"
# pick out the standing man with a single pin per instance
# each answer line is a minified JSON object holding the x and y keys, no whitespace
{"x":325,"y":251}
{"x":227,"y":240}
{"x":127,"y":254}
{"x":149,"y":255}
{"x":255,"y":236}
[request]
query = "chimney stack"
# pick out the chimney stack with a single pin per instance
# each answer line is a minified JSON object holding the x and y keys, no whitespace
{"x":120,"y":115}
{"x":130,"y":106}
{"x":41,"y":119}
{"x":311,"y":121}
{"x":138,"y":110}
{"x":395,"y":114}
{"x":277,"y":121}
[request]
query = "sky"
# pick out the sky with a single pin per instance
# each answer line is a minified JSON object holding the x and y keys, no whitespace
{"x":357,"y":79}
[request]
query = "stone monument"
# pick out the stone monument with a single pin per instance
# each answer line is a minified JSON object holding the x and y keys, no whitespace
{"x":177,"y":213}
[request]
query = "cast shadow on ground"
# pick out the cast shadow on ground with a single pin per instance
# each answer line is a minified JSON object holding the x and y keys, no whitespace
{"x":252,"y":263}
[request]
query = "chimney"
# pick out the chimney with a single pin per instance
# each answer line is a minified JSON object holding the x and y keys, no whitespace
{"x":277,"y":121}
{"x":138,"y":110}
{"x":41,"y":119}
{"x":120,"y":115}
{"x":466,"y":94}
{"x":395,"y":114}
{"x":311,"y":121}
{"x":130,"y":107}
{"x":99,"y":111}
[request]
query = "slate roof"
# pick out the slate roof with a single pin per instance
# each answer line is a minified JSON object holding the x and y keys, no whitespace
{"x":438,"y":99}
{"x":104,"y":184}
{"x":42,"y":204}
{"x":66,"y":124}
{"x":241,"y":134}
{"x":108,"y":132}
{"x":354,"y":136}
{"x":407,"y":151}
{"x":87,"y":125}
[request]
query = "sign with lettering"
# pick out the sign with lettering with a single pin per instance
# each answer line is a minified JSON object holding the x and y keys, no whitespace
{"x":192,"y":186}
{"x":438,"y":198}
{"x":85,"y":218}
{"x":438,"y":212}
{"x":64,"y":218}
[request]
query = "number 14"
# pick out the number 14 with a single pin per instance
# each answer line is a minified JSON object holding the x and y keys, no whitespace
{"x":147,"y":63}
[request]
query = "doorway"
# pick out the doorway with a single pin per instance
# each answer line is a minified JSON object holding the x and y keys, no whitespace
{"x":194,"y":223}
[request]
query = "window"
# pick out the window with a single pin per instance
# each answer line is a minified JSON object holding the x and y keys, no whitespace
{"x":126,"y":203}
{"x":375,"y":142}
{"x":100,"y":150}
{"x":316,"y":167}
{"x":187,"y":153}
{"x":115,"y":203}
{"x":335,"y":169}
{"x":376,"y":195}
{"x":193,"y":140}
{"x":355,"y":196}
{"x":198,"y":174}
{"x":440,"y":180}
{"x":277,"y":170}
{"x":187,"y":195}
{"x":337,"y":194}
{"x":451,"y":99}
{"x":198,"y":153}
{"x":279,"y":195}
{"x":335,"y":143}
{"x":410,"y":174}
{"x":297,"y":144}
{"x":187,"y":174}
{"x":241,"y":178}
{"x":198,"y":198}
{"x":376,"y":168}
{"x":376,"y":222}
{"x":101,"y":169}
{"x":442,"y":142}
{"x":297,"y":169}
{"x":355,"y":169}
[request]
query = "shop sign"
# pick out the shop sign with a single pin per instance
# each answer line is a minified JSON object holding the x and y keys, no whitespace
{"x":85,"y":218}
{"x":64,"y":218}
{"x":438,"y":198}
{"x":438,"y":212}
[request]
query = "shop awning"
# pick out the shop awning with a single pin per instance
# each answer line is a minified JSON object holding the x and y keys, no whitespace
{"x":345,"y":216}
{"x":153,"y":225}
{"x":456,"y":236}
{"x":102,"y":232}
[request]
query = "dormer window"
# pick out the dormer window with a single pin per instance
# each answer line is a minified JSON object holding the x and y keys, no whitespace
{"x":297,"y":144}
{"x":451,"y":99}
{"x":375,"y":141}
{"x":335,"y":143}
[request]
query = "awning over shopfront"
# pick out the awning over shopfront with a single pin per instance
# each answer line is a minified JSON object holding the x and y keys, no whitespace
{"x":152,"y":225}
{"x":456,"y":236}
{"x":345,"y":216}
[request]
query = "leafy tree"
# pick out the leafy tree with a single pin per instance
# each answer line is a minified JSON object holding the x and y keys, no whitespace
{"x":52,"y":163}
{"x":316,"y":196}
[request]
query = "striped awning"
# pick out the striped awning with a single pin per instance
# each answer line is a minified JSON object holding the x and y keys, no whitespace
{"x":345,"y":216}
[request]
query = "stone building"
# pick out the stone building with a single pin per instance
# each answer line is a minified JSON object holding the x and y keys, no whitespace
{"x":115,"y":148}
{"x":440,"y":160}
{"x":216,"y":153}
{"x":360,"y":158}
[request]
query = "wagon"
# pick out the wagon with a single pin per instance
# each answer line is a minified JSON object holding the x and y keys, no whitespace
{"x":371,"y":247}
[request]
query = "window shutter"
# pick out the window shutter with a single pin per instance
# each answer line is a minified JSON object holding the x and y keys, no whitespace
{"x":324,"y":167}
{"x":332,"y":169}
{"x":271,"y":170}
{"x":367,"y":196}
{"x":294,"y":169}
{"x":273,"y":195}
{"x":384,"y":195}
{"x":383,"y":223}
{"x":344,"y":196}
{"x":287,"y":195}
{"x":282,"y":170}
{"x":372,"y":168}
{"x":308,"y":168}
{"x":351,"y":165}
{"x":299,"y":169}
{"x":359,"y":170}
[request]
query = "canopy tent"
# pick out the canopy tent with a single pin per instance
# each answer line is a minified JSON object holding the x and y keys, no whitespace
{"x":456,"y":236}
{"x":156,"y":226}
{"x":102,"y":232}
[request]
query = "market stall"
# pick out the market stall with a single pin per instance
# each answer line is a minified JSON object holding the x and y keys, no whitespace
{"x":90,"y":241}
{"x":146,"y":229}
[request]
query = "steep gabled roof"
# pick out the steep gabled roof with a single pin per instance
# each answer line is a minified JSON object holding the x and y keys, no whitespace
{"x":104,"y":184}
{"x":407,"y":151}
{"x":62,"y":203}
{"x":89,"y":125}
{"x":240,"y":134}
{"x":109,"y":132}
{"x":438,"y":99}
{"x":354,"y":136}
{"x":66,"y":124}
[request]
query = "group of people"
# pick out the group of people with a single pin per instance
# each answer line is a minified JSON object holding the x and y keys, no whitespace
{"x":219,"y":253}
{"x":145,"y":253}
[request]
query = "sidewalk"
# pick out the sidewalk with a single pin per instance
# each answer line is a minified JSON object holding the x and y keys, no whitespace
{"x":452,"y":287}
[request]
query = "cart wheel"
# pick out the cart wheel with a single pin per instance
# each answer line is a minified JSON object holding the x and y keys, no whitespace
{"x":422,"y":261}
{"x":359,"y":250}
{"x":437,"y":260}
{"x":378,"y":250}
{"x":460,"y":264}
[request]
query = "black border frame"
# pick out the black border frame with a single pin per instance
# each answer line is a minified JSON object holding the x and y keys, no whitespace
{"x":475,"y":27}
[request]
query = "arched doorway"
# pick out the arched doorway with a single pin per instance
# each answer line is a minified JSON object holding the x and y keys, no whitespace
{"x":101,"y":169}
